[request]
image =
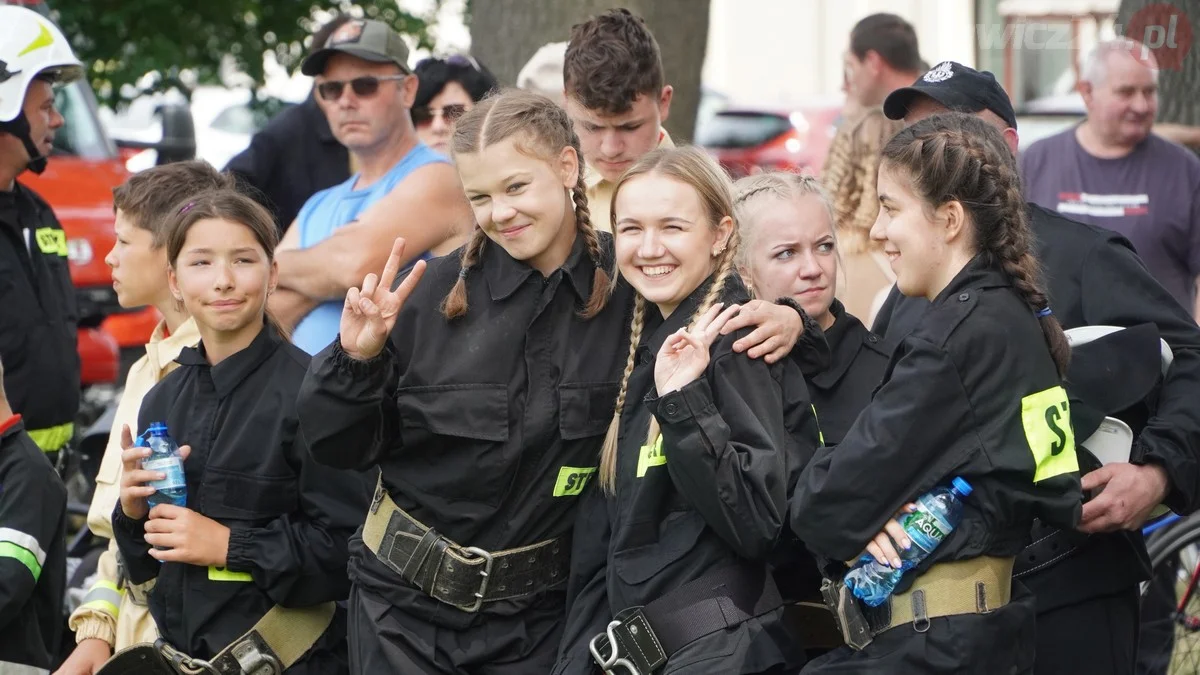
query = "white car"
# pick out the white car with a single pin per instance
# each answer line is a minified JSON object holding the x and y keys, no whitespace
{"x":224,"y":121}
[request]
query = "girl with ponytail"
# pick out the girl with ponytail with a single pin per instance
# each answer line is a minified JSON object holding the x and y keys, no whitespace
{"x":695,"y":468}
{"x":974,"y":392}
{"x":481,"y":395}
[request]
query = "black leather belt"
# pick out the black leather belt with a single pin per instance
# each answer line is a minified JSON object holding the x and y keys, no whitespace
{"x":1050,"y":545}
{"x":645,"y":637}
{"x":462,"y":576}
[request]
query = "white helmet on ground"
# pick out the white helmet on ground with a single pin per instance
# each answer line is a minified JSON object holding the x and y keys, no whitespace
{"x":31,"y":46}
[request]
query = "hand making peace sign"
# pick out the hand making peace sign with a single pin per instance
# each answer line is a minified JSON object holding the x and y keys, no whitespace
{"x":370,"y":312}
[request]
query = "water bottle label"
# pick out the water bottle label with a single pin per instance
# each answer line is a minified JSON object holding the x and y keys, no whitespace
{"x":925,"y":529}
{"x":172,"y":467}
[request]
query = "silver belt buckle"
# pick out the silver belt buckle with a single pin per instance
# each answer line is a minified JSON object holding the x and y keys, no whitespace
{"x":614,"y":659}
{"x":485,"y":575}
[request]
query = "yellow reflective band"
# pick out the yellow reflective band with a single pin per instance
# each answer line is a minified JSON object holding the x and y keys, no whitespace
{"x":651,"y":455}
{"x":571,"y":480}
{"x":21,"y":555}
{"x":44,"y":39}
{"x":104,"y":597}
{"x":51,"y":241}
{"x":222,"y":574}
{"x":1046,"y":417}
{"x":52,"y":439}
{"x":820,"y":434}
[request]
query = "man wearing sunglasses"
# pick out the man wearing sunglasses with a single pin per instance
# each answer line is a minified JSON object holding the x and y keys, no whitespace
{"x":403,"y":188}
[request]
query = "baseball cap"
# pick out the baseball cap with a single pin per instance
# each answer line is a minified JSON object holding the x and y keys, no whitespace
{"x":544,"y":71}
{"x":369,"y":40}
{"x":959,"y":88}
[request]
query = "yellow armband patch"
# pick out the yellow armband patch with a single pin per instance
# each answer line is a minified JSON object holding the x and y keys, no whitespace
{"x":1046,"y":417}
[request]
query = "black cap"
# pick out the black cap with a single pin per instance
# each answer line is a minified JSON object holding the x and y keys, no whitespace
{"x":957,"y":87}
{"x":367,"y":39}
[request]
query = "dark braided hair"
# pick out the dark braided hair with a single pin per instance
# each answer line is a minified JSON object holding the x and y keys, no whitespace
{"x":543,"y":130}
{"x":959,"y":157}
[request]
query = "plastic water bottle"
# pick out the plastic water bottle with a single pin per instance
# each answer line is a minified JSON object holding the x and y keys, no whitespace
{"x":936,"y":515}
{"x":164,"y":457}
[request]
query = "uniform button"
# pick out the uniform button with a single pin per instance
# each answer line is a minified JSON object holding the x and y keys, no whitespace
{"x":963,"y":297}
{"x":671,"y":408}
{"x":873,"y":338}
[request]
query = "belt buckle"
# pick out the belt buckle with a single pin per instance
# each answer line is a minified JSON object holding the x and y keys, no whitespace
{"x":614,"y":659}
{"x":485,"y":575}
{"x":847,"y":614}
{"x":182,"y":662}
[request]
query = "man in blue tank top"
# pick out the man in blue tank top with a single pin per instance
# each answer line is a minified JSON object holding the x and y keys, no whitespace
{"x":402,"y":189}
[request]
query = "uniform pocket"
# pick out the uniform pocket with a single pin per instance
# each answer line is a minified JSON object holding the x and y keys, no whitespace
{"x":478,"y":411}
{"x":239,"y":496}
{"x":586,"y":409}
{"x":677,"y":536}
{"x":455,"y":442}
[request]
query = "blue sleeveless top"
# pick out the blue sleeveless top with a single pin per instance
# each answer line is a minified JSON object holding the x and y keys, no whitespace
{"x":332,"y":208}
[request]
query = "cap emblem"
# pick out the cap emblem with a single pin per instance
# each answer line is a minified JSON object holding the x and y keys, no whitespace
{"x":939,"y":73}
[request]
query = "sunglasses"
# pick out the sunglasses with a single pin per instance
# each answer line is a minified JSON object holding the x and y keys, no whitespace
{"x":422,"y":115}
{"x":363,"y":87}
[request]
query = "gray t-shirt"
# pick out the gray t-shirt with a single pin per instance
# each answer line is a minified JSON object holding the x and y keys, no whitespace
{"x":1151,"y":196}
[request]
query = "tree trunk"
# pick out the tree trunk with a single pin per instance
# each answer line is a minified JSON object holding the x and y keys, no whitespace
{"x":506,"y":33}
{"x":1179,"y":77}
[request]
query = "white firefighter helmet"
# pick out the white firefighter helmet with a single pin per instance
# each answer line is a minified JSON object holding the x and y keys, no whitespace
{"x":30,"y":46}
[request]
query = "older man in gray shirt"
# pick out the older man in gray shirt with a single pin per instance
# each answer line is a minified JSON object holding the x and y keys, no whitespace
{"x":1112,"y":172}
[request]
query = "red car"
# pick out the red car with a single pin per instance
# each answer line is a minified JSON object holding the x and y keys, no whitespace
{"x":750,"y":140}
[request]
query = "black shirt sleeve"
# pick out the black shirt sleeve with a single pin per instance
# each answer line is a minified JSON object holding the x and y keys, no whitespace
{"x":727,"y":444}
{"x":32,"y":501}
{"x":1131,"y":296}
{"x":910,"y":431}
{"x":299,"y":559}
{"x":347,"y":412}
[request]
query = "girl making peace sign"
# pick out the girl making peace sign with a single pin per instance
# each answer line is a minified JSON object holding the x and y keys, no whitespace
{"x":482,"y":394}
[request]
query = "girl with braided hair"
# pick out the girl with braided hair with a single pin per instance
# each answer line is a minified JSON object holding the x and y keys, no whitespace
{"x":482,"y":395}
{"x":702,"y":449}
{"x":975,"y":391}
{"x":790,"y":247}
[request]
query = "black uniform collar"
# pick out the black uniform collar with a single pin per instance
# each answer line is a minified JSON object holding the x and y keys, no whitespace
{"x":659,"y":329}
{"x":979,"y":273}
{"x":229,"y":373}
{"x":505,"y":274}
{"x":845,"y":338}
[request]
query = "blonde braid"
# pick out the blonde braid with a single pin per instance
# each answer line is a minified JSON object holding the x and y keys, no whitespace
{"x":608,"y":452}
{"x":601,"y":282}
{"x":455,"y":303}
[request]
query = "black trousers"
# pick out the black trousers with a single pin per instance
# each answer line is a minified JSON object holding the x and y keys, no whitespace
{"x":1098,"y":636}
{"x":386,"y":639}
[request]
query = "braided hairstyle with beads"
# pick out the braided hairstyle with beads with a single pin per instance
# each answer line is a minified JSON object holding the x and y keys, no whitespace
{"x":541,"y":129}
{"x":959,"y":157}
{"x":695,"y":168}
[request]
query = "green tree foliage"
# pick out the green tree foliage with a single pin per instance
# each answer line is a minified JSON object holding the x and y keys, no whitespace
{"x":123,"y":40}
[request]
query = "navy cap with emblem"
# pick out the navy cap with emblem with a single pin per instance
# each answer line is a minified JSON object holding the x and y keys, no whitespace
{"x":959,"y":88}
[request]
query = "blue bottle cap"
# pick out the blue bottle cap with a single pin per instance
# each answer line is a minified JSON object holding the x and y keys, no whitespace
{"x":157,"y":429}
{"x":964,"y":488}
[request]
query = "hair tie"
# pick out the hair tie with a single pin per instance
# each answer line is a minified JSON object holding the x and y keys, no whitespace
{"x":1044,"y":312}
{"x":462,"y":273}
{"x":186,"y":207}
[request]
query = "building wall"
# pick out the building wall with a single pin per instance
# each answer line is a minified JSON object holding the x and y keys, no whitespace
{"x":787,"y":51}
